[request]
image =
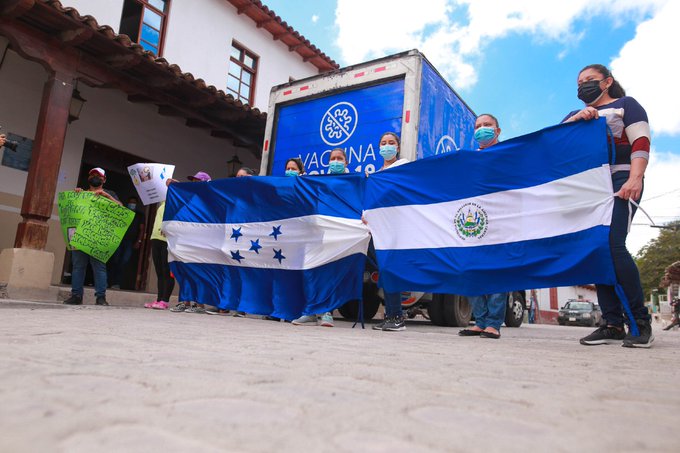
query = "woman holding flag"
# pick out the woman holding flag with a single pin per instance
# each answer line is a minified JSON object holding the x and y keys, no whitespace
{"x":604,"y":96}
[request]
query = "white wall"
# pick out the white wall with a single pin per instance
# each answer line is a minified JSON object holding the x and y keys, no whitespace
{"x":564,"y":293}
{"x":198,"y":39}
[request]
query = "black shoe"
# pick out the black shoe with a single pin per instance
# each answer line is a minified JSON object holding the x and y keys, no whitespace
{"x":74,"y":300}
{"x":380,"y":325}
{"x":271,"y":318}
{"x":394,"y":324}
{"x":604,"y":335}
{"x":644,"y":340}
{"x":101,"y":300}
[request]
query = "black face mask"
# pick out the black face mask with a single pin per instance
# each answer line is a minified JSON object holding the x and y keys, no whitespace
{"x":95,"y":181}
{"x":589,"y":91}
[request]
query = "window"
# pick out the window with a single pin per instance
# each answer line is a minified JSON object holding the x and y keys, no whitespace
{"x":144,"y":22}
{"x":242,"y":71}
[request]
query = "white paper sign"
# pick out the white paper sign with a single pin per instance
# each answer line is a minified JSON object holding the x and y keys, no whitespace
{"x":149,"y":180}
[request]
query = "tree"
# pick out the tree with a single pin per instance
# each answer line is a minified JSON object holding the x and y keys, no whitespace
{"x":657,"y":255}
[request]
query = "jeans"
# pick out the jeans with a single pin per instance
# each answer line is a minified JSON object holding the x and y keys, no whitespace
{"x":626,"y":271}
{"x":392,"y":305}
{"x":159,"y":254}
{"x":489,"y":309}
{"x":80,"y":260}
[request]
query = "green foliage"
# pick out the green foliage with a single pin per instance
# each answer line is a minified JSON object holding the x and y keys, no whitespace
{"x":657,"y":255}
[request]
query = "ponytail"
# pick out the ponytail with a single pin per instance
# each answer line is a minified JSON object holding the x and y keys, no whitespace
{"x":616,"y":90}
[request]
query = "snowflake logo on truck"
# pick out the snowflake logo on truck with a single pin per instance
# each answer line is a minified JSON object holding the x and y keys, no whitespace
{"x":471,"y":221}
{"x":338,"y":123}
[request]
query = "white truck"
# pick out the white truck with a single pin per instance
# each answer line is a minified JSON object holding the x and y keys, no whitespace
{"x":351,"y":108}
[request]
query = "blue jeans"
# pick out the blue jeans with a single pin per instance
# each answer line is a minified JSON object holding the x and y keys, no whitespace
{"x":626,"y":271}
{"x":489,"y":309}
{"x":392,"y":305}
{"x":80,"y":260}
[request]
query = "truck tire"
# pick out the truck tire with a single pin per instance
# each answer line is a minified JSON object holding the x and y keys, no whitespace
{"x":449,"y":310}
{"x":435,"y":310}
{"x":514,"y":312}
{"x":371,"y":301}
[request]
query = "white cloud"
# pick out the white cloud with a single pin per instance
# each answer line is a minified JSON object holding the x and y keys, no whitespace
{"x":661,"y":198}
{"x":452,"y":32}
{"x":648,"y":68}
{"x":315,"y":18}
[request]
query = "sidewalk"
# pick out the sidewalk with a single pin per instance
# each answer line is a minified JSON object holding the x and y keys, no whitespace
{"x":91,"y":379}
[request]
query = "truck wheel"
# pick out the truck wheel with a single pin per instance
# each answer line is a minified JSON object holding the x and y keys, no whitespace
{"x":457,"y":311}
{"x":435,"y":310}
{"x":371,"y":301}
{"x":514,"y":312}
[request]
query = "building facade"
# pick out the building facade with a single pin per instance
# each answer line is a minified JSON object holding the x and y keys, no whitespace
{"x":109,"y":83}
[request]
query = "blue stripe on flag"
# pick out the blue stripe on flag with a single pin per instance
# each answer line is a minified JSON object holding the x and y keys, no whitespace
{"x":264,"y":199}
{"x":525,"y":161}
{"x":557,"y":261}
{"x":285,"y":294}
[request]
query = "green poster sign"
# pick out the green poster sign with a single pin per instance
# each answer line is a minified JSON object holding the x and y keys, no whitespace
{"x":92,"y":224}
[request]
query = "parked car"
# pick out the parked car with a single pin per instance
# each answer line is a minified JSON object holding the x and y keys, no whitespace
{"x":580,"y":313}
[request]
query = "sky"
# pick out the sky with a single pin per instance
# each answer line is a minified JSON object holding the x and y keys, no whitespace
{"x":519,"y":60}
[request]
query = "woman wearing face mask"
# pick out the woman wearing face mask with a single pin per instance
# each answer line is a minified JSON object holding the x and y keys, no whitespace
{"x":336,"y":166}
{"x":489,"y":309}
{"x":394,"y":318}
{"x":604,"y":96}
{"x":295,"y":167}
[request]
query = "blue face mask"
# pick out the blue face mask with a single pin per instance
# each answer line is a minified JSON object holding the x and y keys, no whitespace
{"x":388,"y":151}
{"x":336,"y":167}
{"x":291,"y":173}
{"x":132,"y":206}
{"x":485,"y":135}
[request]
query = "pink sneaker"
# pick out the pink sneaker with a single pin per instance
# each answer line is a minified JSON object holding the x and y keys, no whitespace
{"x":150,"y":304}
{"x":160,"y":305}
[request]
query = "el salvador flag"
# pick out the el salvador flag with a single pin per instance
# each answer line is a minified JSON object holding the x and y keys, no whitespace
{"x":276,"y":246}
{"x":531,"y":212}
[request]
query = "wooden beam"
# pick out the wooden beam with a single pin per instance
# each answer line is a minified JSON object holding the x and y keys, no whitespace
{"x":264,"y":22}
{"x":76,"y":36}
{"x":167,"y":110}
{"x":295,"y":47}
{"x":140,"y":99}
{"x":16,"y":8}
{"x":306,"y":59}
{"x":123,"y":61}
{"x":278,"y":36}
{"x":164,"y":82}
{"x":191,"y":122}
{"x":242,"y":9}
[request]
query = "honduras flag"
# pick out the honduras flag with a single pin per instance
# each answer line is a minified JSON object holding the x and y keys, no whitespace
{"x":532,"y":212}
{"x":268,"y":245}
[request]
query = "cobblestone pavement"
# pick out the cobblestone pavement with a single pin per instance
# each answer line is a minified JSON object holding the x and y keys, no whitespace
{"x":91,"y":379}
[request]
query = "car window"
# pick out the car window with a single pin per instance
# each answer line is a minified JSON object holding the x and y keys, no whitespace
{"x":579,"y":306}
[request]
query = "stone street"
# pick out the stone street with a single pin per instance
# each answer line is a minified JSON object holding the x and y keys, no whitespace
{"x":91,"y":379}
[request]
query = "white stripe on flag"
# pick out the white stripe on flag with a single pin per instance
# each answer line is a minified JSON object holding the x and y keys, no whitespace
{"x":304,"y":242}
{"x":568,"y":205}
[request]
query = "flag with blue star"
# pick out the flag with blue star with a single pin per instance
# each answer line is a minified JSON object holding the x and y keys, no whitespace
{"x":269,"y":245}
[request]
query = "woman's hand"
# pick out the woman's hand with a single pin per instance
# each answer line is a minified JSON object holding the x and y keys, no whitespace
{"x":631,"y":189}
{"x":588,"y":113}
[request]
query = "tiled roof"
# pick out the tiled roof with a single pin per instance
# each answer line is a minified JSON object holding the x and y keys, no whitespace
{"x":267,"y":19}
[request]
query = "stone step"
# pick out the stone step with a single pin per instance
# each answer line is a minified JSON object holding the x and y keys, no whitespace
{"x":117,"y":297}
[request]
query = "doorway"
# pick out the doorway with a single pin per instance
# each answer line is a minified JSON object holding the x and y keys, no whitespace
{"x":133,"y":274}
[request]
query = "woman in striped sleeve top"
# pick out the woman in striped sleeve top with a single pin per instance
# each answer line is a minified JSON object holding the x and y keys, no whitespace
{"x":604,"y":97}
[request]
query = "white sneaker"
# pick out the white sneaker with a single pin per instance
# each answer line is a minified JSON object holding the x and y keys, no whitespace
{"x":306,"y":320}
{"x":326,"y":320}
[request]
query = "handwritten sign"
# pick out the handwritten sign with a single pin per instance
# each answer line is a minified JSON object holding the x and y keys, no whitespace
{"x":149,"y":180}
{"x":92,"y":224}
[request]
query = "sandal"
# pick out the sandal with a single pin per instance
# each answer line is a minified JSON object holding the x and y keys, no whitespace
{"x":470,"y":333}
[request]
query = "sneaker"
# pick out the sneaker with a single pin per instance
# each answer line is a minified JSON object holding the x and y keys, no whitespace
{"x":101,"y":300}
{"x":380,"y":325}
{"x":306,"y":320}
{"x":159,"y":305}
{"x":74,"y":300}
{"x":150,"y":304}
{"x":179,"y":308}
{"x":196,"y":309}
{"x":394,"y":324}
{"x":239,"y":314}
{"x":271,"y":318}
{"x":644,"y":340}
{"x":219,"y":312}
{"x":604,"y":335}
{"x":326,"y":320}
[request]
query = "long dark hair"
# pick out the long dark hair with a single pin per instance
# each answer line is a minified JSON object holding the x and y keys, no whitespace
{"x":616,"y":90}
{"x":298,"y":162}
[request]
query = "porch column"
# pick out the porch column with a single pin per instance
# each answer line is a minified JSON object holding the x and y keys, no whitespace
{"x":41,"y":183}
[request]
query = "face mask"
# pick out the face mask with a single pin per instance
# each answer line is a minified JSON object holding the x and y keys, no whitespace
{"x":485,"y":135}
{"x":388,"y":151}
{"x":291,"y":173}
{"x":132,"y":206}
{"x":336,"y":167}
{"x":590,"y":91}
{"x":95,"y":181}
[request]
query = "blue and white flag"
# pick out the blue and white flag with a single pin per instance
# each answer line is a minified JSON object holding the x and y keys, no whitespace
{"x":532,"y":212}
{"x":274,"y":246}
